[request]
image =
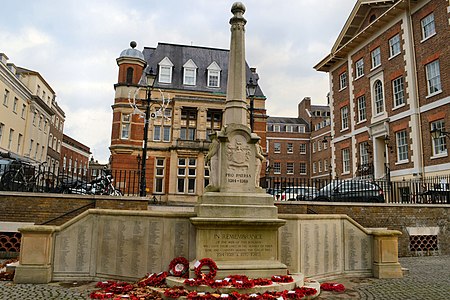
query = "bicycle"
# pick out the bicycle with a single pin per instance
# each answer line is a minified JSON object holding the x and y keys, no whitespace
{"x":25,"y":179}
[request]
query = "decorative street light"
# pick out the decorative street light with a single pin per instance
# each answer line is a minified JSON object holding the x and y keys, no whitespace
{"x":438,"y":133}
{"x":150,"y":76}
{"x":251,"y":91}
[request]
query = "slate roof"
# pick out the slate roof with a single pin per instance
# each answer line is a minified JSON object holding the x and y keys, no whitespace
{"x":287,"y":121}
{"x":201,"y":56}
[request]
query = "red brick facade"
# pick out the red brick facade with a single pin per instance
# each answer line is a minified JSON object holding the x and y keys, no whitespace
{"x":398,"y":127}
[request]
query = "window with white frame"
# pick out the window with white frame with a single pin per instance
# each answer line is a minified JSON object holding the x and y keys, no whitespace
{"x":19,"y":142}
{"x":50,"y":141}
{"x":6,"y":98}
{"x":379,"y":97}
{"x":16,"y":101}
{"x":319,"y":146}
{"x":125,"y":126}
{"x":344,"y":117}
{"x":359,"y":68}
{"x":188,"y":124}
{"x":433,"y":77}
{"x":439,"y":144}
{"x":325,"y":144}
{"x":157,"y":133}
{"x":362,"y":114}
{"x":428,"y":28}
{"x":376,"y":57}
{"x":165,"y":71}
{"x":277,"y":168}
{"x":159,"y":175}
{"x":301,"y":129}
{"x":213,"y":75}
{"x":290,"y":148}
{"x":276,"y":128}
{"x":290,"y":168}
{"x":302,"y":168}
{"x":398,"y":91}
{"x":314,"y":147}
{"x":31,"y":147}
{"x":276,"y":147}
{"x":161,"y":133}
{"x":187,"y":172}
{"x":343,"y":80}
{"x":364,"y":153}
{"x":34,"y":117}
{"x":402,"y":146}
{"x":320,"y":166}
{"x":11,"y":136}
{"x":2,"y":126}
{"x":346,"y":160}
{"x":302,"y":148}
{"x":325,"y":165}
{"x":394,"y":45}
{"x":314,"y":168}
{"x":22,"y":113}
{"x":41,"y":119}
{"x":190,"y":73}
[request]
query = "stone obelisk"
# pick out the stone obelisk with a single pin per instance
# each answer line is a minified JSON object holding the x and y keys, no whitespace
{"x":237,"y":222}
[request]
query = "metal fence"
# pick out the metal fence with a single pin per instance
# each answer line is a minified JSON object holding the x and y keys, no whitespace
{"x":433,"y":190}
{"x":24,"y":177}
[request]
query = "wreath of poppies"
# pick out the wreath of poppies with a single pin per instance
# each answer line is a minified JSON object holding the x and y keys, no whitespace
{"x":205,"y":262}
{"x":332,"y":287}
{"x":178,"y":266}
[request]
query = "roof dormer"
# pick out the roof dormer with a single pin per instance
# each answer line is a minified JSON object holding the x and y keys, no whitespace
{"x":165,"y":70}
{"x":190,"y":73}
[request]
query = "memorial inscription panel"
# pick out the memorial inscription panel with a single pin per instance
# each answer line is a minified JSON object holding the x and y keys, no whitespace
{"x":240,"y":244}
{"x":358,"y":245}
{"x":73,"y":245}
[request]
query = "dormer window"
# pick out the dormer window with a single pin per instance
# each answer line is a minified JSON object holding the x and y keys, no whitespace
{"x":190,"y":73}
{"x":165,"y":70}
{"x":213,"y":75}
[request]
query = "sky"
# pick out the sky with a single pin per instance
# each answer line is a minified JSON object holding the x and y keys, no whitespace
{"x":74,"y":44}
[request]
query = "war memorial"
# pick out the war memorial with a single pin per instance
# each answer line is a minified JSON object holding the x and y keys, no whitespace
{"x":235,"y":223}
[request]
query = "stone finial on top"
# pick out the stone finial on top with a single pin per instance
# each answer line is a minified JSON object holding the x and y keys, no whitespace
{"x":238,"y":10}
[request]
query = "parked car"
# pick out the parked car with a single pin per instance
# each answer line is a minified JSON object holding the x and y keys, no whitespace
{"x":298,"y":193}
{"x":351,"y":191}
{"x":274,"y":192}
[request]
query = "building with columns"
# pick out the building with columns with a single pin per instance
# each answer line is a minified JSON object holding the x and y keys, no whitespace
{"x":389,"y":89}
{"x":187,"y":104}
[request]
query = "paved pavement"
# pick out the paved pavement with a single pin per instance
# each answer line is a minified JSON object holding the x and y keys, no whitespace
{"x":428,"y":278}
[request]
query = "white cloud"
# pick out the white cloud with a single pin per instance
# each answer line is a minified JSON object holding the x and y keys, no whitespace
{"x":74,"y":45}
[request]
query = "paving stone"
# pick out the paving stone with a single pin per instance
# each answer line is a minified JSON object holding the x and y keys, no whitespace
{"x":428,"y":278}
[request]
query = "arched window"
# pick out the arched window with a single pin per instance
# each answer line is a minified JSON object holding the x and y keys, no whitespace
{"x":379,"y":98}
{"x":130,"y":71}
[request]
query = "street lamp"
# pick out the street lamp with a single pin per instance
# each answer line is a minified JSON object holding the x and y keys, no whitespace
{"x":150,"y":76}
{"x":438,"y":133}
{"x":251,"y":91}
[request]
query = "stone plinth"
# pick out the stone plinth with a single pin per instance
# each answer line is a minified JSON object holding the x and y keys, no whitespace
{"x":240,"y":246}
{"x":35,"y":255}
{"x":385,"y":254}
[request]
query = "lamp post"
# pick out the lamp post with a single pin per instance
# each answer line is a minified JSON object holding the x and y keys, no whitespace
{"x":438,"y":133}
{"x":150,"y":76}
{"x":251,"y":91}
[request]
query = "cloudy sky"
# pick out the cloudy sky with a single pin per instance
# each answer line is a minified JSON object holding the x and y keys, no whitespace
{"x":74,"y":44}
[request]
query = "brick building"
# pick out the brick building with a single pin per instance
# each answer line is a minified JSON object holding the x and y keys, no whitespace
{"x":390,"y":87}
{"x":187,"y":102}
{"x":296,"y":150}
{"x":75,"y":157}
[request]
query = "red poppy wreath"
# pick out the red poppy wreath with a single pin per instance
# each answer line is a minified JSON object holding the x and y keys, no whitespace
{"x":178,"y":266}
{"x":205,"y":262}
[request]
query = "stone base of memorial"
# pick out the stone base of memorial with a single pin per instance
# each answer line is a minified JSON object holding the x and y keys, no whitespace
{"x":242,"y":238}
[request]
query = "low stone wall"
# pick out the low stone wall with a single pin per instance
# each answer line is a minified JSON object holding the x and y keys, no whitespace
{"x":41,"y":208}
{"x":102,"y":244}
{"x":413,"y":220}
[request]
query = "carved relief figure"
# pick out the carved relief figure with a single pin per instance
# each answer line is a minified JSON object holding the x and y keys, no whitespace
{"x":258,"y":162}
{"x":212,"y":159}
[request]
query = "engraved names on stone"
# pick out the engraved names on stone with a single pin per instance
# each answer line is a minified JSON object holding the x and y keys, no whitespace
{"x":155,"y":242}
{"x":288,"y":243}
{"x":358,"y":244}
{"x":74,"y":246}
{"x":181,"y":247}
